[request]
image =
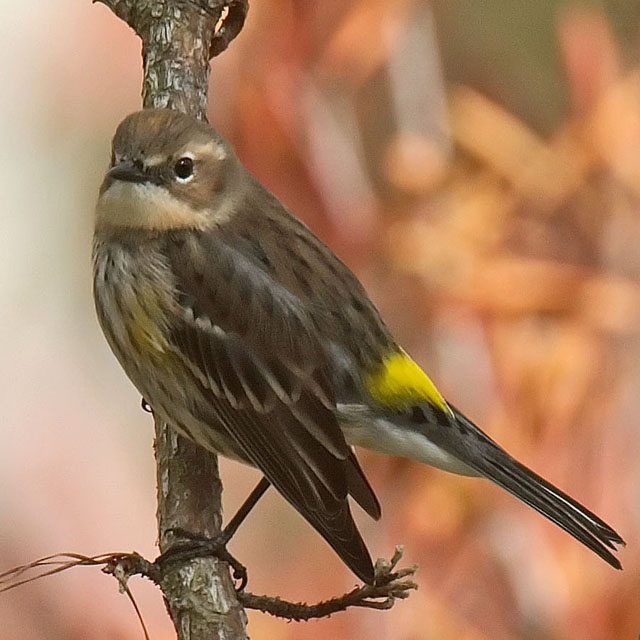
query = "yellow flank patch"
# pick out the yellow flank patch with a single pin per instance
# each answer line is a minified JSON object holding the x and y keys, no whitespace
{"x":143,"y":330}
{"x":399,"y":382}
{"x":147,"y":337}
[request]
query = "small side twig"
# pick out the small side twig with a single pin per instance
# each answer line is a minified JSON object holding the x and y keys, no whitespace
{"x":389,"y":586}
{"x":50,"y":565}
{"x":121,"y":565}
{"x":121,"y":572}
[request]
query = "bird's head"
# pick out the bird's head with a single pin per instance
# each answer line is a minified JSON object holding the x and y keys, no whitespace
{"x":168,"y":170}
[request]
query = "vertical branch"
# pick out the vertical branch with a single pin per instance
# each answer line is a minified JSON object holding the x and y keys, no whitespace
{"x":178,"y":39}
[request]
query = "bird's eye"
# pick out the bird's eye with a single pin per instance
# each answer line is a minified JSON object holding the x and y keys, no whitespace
{"x":183,"y":168}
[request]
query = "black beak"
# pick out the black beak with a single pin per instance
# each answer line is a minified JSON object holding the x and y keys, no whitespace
{"x":128,"y":172}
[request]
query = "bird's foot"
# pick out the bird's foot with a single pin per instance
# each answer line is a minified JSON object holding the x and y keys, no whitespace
{"x":199,"y":546}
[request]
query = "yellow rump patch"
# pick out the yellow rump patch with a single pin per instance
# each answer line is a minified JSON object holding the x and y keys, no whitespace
{"x":399,"y":381}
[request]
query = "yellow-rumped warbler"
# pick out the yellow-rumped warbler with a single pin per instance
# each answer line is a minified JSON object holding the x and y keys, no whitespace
{"x":248,"y":335}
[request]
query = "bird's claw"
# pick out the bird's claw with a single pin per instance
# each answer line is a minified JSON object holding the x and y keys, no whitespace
{"x":200,"y":546}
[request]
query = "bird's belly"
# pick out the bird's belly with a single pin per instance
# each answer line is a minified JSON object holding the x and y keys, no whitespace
{"x":207,"y":434}
{"x":169,"y":397}
{"x":380,"y":434}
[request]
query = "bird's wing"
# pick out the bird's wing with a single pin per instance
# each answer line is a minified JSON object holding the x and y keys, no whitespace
{"x":263,"y":379}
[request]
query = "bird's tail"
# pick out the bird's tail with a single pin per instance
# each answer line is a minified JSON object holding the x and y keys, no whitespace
{"x":497,"y":465}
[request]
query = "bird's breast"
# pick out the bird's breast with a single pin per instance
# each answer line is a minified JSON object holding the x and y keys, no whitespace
{"x":132,"y":294}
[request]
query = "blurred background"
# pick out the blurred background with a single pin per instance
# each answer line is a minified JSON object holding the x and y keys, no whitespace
{"x":478,"y":165}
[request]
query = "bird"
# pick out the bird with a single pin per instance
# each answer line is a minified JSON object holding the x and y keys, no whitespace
{"x":249,"y":336}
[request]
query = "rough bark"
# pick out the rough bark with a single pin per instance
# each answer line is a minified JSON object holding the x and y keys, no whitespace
{"x":178,"y":39}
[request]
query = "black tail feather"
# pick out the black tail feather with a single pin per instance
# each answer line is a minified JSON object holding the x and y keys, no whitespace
{"x":497,"y":465}
{"x":552,"y":503}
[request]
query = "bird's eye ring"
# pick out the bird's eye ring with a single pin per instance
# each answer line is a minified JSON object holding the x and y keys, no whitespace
{"x":183,"y":169}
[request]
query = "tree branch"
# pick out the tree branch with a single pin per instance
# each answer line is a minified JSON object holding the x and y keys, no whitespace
{"x":390,"y":584}
{"x":178,"y":39}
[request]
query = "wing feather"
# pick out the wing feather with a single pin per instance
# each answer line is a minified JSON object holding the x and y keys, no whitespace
{"x":268,"y":390}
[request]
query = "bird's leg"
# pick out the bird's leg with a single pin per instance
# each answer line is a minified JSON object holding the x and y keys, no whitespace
{"x":198,"y":546}
{"x":229,"y":531}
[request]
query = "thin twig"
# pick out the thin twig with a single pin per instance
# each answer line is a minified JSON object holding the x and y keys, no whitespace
{"x":389,"y":586}
{"x":58,"y":561}
{"x":120,"y":565}
{"x":122,"y":577}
